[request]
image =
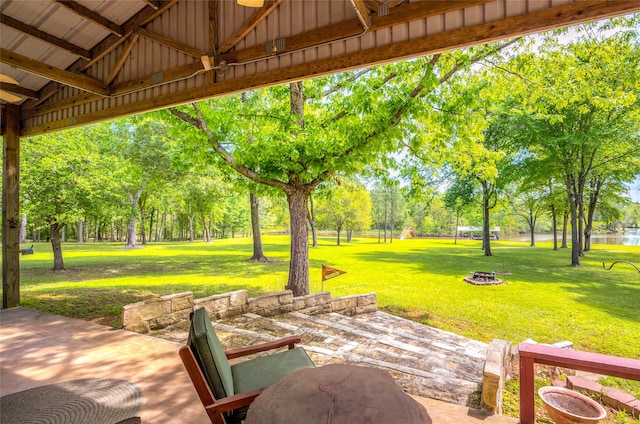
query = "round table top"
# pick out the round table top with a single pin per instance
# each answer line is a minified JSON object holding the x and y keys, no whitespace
{"x":336,"y":394}
{"x":87,"y":401}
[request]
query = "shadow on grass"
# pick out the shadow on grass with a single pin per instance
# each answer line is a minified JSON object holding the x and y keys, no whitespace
{"x":104,"y":305}
{"x":616,"y":294}
{"x":105,"y":267}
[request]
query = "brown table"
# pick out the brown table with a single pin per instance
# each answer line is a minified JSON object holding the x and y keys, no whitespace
{"x":336,"y":394}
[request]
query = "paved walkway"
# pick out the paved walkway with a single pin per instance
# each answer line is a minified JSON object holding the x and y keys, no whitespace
{"x":38,"y":349}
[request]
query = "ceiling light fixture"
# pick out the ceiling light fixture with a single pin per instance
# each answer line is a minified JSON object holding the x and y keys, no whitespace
{"x":6,"y":78}
{"x":251,"y":3}
{"x":4,"y":94}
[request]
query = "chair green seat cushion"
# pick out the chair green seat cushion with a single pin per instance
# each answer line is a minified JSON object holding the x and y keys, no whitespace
{"x":264,"y":371}
{"x":210,"y":355}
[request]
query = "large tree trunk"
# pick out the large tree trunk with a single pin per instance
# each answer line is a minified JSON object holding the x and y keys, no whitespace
{"x":312,"y":223}
{"x":593,"y":201}
{"x":573,"y":210}
{"x":112,"y":236}
{"x":455,"y":236}
{"x":143,"y":221}
{"x":191,"y":219}
{"x":81,"y":231}
{"x":206,"y":231}
{"x":486,"y":242}
{"x":532,"y":228}
{"x":23,"y":230}
{"x":393,"y":212}
{"x":385,"y":218}
{"x":565,"y":225}
{"x":554,"y":220}
{"x":58,"y":263}
{"x":258,"y":254}
{"x":299,"y":261}
{"x":151,"y":221}
{"x":131,"y":228}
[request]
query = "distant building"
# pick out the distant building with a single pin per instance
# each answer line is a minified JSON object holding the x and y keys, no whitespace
{"x":475,"y":233}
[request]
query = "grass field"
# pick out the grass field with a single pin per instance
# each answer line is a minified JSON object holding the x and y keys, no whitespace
{"x":544,"y":299}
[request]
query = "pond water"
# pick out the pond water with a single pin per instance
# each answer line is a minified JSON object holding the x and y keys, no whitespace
{"x":631,"y":237}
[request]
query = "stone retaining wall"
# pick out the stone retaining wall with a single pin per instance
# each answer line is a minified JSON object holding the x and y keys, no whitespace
{"x":161,"y":312}
{"x":495,"y":374}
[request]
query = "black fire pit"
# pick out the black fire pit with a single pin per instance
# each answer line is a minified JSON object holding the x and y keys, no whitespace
{"x":482,"y":278}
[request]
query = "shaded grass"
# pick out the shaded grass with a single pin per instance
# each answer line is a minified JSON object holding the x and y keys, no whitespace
{"x":544,"y":298}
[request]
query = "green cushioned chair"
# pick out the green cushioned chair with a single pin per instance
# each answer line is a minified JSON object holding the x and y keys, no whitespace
{"x":226,"y":390}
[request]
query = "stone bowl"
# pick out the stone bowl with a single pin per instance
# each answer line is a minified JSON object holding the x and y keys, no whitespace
{"x":566,"y":406}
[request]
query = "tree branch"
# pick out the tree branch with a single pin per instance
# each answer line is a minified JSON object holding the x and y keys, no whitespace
{"x":200,"y":123}
{"x":352,"y":79}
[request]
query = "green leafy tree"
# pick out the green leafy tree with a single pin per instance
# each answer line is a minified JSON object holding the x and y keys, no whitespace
{"x":141,"y":147}
{"x":295,"y":137}
{"x":60,"y":172}
{"x":579,"y":111}
{"x":459,"y":197}
{"x":347,"y":207}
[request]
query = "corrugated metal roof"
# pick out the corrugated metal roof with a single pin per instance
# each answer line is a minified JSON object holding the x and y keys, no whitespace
{"x":147,"y":54}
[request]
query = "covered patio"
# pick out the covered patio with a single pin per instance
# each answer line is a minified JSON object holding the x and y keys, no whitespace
{"x":71,"y":63}
{"x":38,"y":349}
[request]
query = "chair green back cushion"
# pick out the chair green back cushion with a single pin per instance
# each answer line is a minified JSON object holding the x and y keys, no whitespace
{"x":210,"y":354}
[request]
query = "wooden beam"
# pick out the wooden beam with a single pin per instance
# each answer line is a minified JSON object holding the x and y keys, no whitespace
{"x":152,"y":3}
{"x":564,"y":15}
{"x":92,"y":16}
{"x":45,"y":93}
{"x":143,"y":17}
{"x":169,"y":42}
{"x":420,"y":10}
{"x":158,"y":78}
{"x":43,"y":36}
{"x":122,"y":59}
{"x":353,"y":27}
{"x":16,"y":89}
{"x":213,"y":36}
{"x":66,"y":103}
{"x":362,"y":12}
{"x":96,"y":58}
{"x":80,"y":81}
{"x":260,"y":15}
{"x":374,"y":4}
{"x":148,"y":81}
{"x":11,"y":206}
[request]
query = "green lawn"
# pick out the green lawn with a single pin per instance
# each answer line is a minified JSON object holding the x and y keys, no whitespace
{"x":544,"y":298}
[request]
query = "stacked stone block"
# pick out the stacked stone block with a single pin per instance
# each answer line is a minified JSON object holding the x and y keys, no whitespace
{"x":224,"y":305}
{"x":495,"y":374}
{"x":272,"y":304}
{"x":158,"y":313}
{"x":313,"y":304}
{"x":354,"y":305}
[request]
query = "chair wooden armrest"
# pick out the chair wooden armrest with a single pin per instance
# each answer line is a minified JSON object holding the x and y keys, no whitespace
{"x":262,"y":347}
{"x":233,"y":402}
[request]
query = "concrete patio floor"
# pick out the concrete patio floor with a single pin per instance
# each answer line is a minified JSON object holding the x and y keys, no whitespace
{"x":38,"y":348}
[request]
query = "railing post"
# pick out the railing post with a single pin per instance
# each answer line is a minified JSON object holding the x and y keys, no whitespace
{"x":527,"y":404}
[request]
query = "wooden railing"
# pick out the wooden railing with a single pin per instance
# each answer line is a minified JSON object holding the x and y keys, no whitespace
{"x":531,"y":354}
